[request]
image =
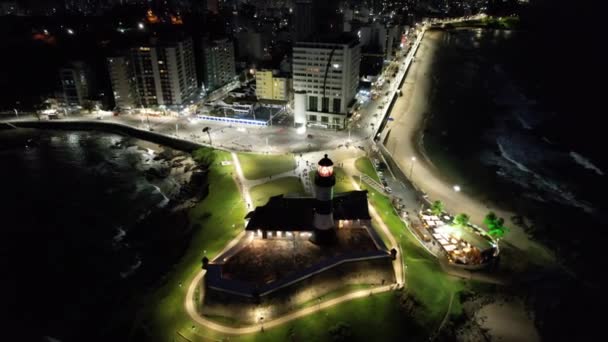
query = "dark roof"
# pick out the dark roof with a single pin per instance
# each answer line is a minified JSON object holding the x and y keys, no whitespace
{"x":326,"y":161}
{"x":296,"y":213}
{"x":343,"y":38}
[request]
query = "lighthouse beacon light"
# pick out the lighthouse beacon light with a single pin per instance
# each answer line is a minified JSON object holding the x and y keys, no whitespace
{"x":325,"y":171}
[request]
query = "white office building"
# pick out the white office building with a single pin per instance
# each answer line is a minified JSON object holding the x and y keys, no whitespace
{"x":328,"y":74}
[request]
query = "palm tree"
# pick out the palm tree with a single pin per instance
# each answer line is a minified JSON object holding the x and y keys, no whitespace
{"x":495,"y":224}
{"x":437,"y":208}
{"x":461,"y":220}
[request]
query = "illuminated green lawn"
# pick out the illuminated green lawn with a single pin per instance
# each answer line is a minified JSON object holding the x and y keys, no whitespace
{"x":164,"y":313}
{"x":256,"y":166}
{"x":424,"y":277}
{"x":365,"y":166}
{"x":286,"y":185}
{"x":375,"y":318}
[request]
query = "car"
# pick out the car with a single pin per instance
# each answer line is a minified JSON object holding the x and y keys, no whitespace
{"x":380,"y":173}
{"x":387,"y":189}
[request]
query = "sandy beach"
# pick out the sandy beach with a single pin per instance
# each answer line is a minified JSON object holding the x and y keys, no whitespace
{"x":404,"y":142}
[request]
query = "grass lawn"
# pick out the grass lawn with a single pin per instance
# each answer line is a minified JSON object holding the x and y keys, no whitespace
{"x":365,"y":166}
{"x":343,"y":181}
{"x":256,"y":166}
{"x":163,"y":313}
{"x":286,"y":185}
{"x":374,"y":318}
{"x":378,"y":317}
{"x":424,"y":277}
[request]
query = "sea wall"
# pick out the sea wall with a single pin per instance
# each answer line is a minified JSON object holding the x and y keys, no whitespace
{"x":112,"y":127}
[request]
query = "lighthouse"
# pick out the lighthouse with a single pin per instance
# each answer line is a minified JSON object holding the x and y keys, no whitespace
{"x":323,"y":220}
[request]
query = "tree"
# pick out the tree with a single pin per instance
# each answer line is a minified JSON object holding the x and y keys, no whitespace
{"x":88,"y":105}
{"x":495,"y":224}
{"x":204,"y":156}
{"x":461,"y":220}
{"x":437,"y":207}
{"x":490,"y":219}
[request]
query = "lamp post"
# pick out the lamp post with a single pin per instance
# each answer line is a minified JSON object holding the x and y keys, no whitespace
{"x":207,"y":130}
{"x":412,"y":167}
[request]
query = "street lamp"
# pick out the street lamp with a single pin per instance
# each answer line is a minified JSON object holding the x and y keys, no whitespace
{"x":412,"y":167}
{"x":456,"y":188}
{"x":207,"y":130}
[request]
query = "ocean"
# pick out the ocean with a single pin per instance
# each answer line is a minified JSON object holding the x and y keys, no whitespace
{"x":78,"y":242}
{"x":498,"y":125}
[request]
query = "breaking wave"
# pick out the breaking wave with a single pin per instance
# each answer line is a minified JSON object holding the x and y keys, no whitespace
{"x":586,"y":163}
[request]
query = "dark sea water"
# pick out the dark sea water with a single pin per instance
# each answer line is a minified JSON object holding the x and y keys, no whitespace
{"x":514,"y":121}
{"x":70,"y":202}
{"x":499,"y":122}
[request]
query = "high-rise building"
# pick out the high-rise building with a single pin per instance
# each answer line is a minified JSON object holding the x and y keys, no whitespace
{"x":123,"y":82}
{"x":316,"y":17}
{"x":303,"y":19}
{"x":163,"y":71}
{"x":271,"y":86}
{"x":218,"y":63}
{"x":76,"y":83}
{"x":328,"y":71}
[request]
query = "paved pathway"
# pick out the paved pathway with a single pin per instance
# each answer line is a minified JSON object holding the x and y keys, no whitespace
{"x":189,"y":303}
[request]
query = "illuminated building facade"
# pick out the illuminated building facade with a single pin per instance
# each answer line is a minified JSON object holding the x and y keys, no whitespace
{"x":329,"y":74}
{"x":162,"y":72}
{"x":218,"y":63}
{"x":270,"y":86}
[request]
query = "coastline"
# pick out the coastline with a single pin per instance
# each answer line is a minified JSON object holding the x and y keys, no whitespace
{"x":405,"y":141}
{"x":147,"y":229}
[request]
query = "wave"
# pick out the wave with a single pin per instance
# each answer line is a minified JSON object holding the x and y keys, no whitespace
{"x":131,"y":269}
{"x":586,"y":163}
{"x":165,"y":200}
{"x":120,"y":235}
{"x":523,"y":122}
{"x":506,"y":156}
{"x":542,"y":183}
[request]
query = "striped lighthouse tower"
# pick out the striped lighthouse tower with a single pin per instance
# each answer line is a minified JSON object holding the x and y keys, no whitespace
{"x":324,"y":184}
